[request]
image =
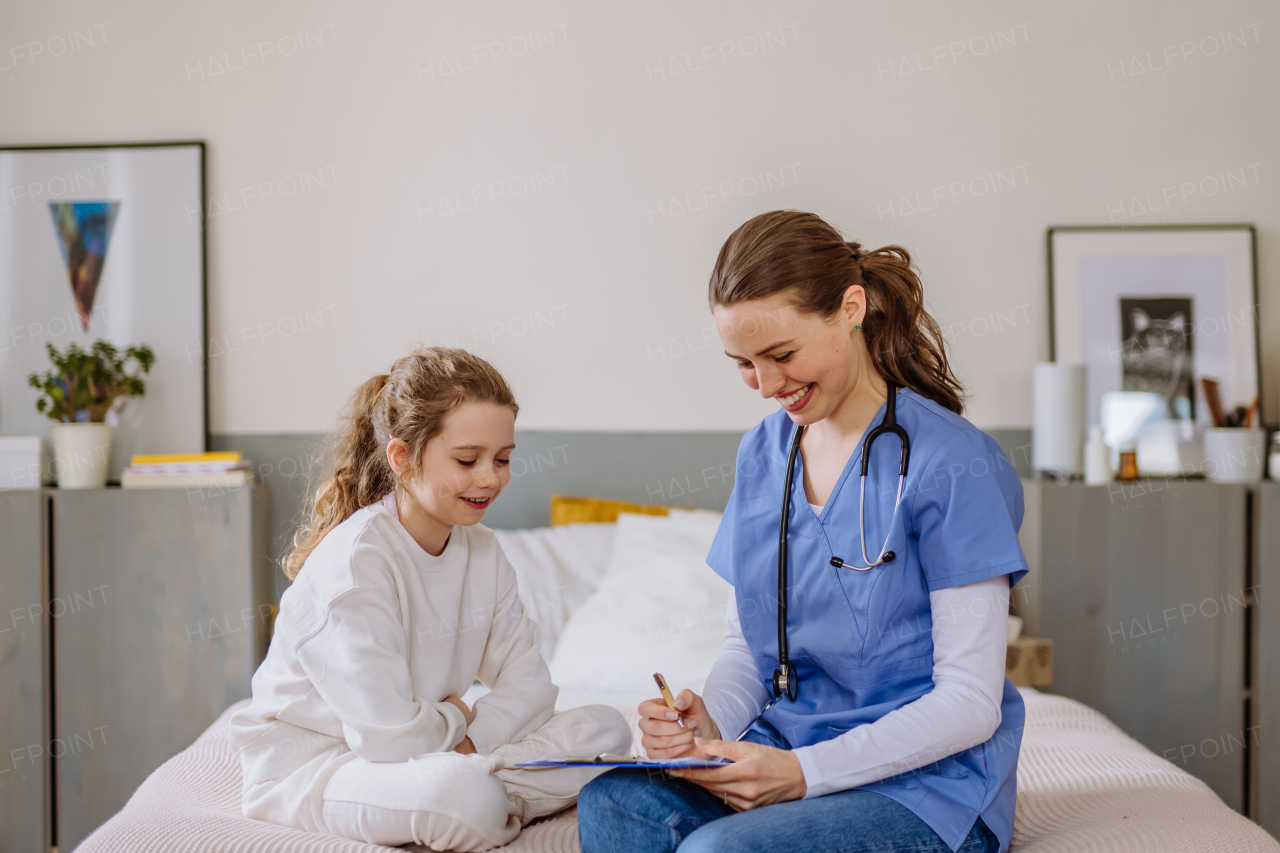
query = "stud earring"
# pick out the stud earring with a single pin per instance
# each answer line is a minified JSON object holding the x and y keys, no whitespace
{"x":857,"y":327}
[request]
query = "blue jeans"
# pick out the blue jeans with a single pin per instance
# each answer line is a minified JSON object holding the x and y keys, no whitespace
{"x":629,"y":810}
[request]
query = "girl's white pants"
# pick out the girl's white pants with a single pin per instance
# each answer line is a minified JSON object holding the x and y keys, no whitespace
{"x":448,"y":801}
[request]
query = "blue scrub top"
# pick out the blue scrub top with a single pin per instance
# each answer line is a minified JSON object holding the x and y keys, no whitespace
{"x":862,"y":642}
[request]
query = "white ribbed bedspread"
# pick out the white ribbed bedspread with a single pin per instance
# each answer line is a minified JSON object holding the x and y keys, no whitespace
{"x":1083,"y":785}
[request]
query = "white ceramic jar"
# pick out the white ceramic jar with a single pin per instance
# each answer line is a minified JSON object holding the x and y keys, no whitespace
{"x":80,"y":455}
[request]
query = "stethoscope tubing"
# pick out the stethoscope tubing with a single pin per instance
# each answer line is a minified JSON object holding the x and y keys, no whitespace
{"x":862,"y":530}
{"x":785,"y":680}
{"x":784,"y":677}
{"x":888,"y":425}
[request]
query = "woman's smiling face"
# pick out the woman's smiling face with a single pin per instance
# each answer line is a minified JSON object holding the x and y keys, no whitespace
{"x":809,"y":364}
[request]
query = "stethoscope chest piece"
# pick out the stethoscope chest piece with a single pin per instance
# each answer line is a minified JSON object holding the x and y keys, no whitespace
{"x":788,"y":683}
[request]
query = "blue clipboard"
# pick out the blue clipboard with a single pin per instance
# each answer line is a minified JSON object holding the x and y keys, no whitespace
{"x":611,"y":760}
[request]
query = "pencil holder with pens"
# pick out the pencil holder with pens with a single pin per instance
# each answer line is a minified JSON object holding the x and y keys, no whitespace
{"x":1235,"y":449}
{"x":1235,"y":454}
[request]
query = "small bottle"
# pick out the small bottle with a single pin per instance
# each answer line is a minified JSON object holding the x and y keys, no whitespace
{"x":1097,"y":459}
{"x":1128,"y":462}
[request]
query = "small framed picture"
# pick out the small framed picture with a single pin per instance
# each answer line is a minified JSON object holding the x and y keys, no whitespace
{"x":106,"y":242}
{"x":1150,"y":311}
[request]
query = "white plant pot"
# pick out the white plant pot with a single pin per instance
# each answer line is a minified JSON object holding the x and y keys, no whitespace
{"x":80,"y":455}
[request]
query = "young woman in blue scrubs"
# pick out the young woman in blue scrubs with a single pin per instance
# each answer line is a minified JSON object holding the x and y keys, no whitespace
{"x":905,"y":733}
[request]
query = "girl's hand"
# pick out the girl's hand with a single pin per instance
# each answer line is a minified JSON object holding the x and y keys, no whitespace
{"x":467,"y":713}
{"x":759,"y":776}
{"x":662,"y":736}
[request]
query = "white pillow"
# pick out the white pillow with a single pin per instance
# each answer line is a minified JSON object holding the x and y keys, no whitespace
{"x":557,"y":569}
{"x":658,"y":608}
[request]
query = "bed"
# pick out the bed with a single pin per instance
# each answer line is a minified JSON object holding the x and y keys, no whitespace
{"x":620,"y":600}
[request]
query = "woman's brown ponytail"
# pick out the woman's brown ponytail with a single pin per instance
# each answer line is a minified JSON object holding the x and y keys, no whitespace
{"x":409,"y":403}
{"x":786,"y":250}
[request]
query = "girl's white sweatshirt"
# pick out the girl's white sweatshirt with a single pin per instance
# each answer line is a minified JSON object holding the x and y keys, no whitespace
{"x":371,"y":637}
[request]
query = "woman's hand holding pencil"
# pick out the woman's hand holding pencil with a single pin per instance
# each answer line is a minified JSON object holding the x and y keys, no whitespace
{"x":669,"y":724}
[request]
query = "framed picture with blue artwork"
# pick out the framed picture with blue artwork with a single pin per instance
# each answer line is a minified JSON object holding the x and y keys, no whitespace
{"x":1151,"y":311}
{"x":107,"y":242}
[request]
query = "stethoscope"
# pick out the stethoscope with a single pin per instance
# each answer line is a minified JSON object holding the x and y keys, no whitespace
{"x":785,"y":680}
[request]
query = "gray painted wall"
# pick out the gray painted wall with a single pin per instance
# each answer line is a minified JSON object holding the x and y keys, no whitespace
{"x":693,"y":469}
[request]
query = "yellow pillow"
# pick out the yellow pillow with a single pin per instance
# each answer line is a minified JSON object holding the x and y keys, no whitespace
{"x":572,"y":510}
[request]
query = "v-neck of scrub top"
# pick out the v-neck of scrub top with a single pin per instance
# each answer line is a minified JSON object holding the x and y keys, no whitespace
{"x":854,"y":458}
{"x":822,"y":518}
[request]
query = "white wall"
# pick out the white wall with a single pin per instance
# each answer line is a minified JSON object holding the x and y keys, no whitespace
{"x":593,"y":283}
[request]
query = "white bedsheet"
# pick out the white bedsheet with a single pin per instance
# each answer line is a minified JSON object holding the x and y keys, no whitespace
{"x":1083,"y":785}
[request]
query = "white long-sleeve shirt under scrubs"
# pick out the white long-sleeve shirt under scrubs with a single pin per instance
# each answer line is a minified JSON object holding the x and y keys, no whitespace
{"x":371,"y":638}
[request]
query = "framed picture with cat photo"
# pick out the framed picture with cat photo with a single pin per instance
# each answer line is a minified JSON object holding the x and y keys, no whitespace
{"x":1150,"y":311}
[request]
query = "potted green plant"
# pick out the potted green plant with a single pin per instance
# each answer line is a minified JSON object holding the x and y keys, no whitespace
{"x":77,"y":394}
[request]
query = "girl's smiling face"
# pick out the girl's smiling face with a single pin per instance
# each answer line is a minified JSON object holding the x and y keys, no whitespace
{"x":462,"y":470}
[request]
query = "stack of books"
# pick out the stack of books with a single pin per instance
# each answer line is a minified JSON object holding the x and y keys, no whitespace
{"x":221,"y":470}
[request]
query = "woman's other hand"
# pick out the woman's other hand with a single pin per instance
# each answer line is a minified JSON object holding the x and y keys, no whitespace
{"x":466,"y":747}
{"x":467,"y":713}
{"x":662,"y":736}
{"x":759,"y":776}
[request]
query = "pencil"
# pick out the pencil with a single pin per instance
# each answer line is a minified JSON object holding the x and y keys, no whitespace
{"x":667,"y":697}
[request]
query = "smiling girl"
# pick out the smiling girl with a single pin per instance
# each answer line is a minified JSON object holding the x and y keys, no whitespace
{"x":400,"y":601}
